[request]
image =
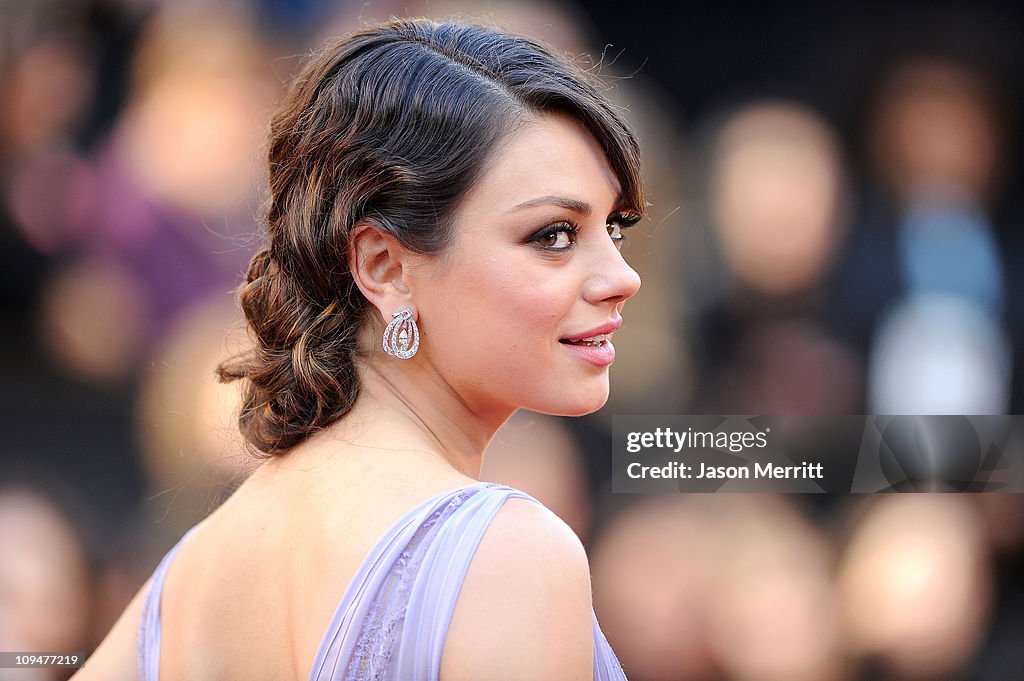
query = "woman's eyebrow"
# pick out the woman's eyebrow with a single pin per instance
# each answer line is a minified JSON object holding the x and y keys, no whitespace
{"x":575,"y":205}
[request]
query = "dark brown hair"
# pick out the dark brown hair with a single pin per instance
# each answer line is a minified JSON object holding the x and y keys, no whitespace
{"x":390,"y":126}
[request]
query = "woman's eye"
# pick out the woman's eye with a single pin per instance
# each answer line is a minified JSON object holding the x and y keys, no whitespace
{"x":615,"y":232}
{"x":556,"y":237}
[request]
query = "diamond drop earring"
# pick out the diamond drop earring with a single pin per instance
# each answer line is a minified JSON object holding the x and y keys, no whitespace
{"x":402,"y":336}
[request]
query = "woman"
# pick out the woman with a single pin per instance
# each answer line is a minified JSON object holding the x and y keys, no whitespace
{"x":443,"y":248}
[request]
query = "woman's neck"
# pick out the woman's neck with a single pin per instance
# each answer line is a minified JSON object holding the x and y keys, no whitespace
{"x":408,"y":411}
{"x":418,"y":400}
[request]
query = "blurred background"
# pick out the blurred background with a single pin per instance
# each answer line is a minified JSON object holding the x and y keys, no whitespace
{"x":836,"y":227}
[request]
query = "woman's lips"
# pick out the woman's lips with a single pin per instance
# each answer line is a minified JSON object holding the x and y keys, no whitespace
{"x":605,"y":329}
{"x":601,"y":353}
{"x":595,"y":345}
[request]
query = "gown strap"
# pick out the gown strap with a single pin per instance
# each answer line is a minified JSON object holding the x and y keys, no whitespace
{"x":150,"y":630}
{"x":443,"y":569}
{"x":371,"y":622}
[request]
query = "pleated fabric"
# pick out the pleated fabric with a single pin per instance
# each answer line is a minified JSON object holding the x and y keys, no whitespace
{"x":392,"y":621}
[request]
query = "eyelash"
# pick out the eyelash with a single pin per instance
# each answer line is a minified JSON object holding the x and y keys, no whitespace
{"x":573,"y":230}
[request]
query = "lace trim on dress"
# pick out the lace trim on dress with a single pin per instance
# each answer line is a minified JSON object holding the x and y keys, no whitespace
{"x":373,"y":648}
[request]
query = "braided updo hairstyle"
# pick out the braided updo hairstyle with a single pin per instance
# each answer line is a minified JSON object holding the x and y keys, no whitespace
{"x":390,"y":127}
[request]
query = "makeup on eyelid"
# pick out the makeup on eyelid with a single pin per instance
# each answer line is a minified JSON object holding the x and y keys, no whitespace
{"x":614,"y":226}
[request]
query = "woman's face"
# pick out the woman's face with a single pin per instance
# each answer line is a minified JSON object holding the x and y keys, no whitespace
{"x":519,"y":312}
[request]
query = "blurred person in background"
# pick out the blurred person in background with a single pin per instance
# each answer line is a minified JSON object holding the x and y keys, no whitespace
{"x":58,"y":63}
{"x":164,"y":221}
{"x":924,"y":289}
{"x":929,"y":291}
{"x":728,"y":586}
{"x":942,"y":346}
{"x":191,"y":449}
{"x":481,"y":243}
{"x":915,"y":583}
{"x":775,"y":200}
{"x":47,"y":577}
{"x":653,"y":566}
{"x":125,"y":220}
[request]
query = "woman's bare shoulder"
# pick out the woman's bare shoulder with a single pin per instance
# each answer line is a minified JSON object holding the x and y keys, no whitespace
{"x":117,"y":657}
{"x":525,"y":608}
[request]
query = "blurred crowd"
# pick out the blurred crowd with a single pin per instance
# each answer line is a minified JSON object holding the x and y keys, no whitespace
{"x":836,"y":230}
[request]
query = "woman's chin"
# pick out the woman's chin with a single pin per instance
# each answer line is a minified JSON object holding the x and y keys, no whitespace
{"x":578,"y":405}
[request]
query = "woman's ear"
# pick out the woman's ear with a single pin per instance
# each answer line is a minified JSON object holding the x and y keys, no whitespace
{"x":379,"y":266}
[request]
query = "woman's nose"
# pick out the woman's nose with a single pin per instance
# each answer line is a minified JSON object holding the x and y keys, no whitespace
{"x":612,"y":279}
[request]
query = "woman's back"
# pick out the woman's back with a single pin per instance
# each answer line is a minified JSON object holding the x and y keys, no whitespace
{"x":295,"y":544}
{"x":251,"y":592}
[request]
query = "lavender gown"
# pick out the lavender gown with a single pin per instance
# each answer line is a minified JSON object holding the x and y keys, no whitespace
{"x":392,"y":621}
